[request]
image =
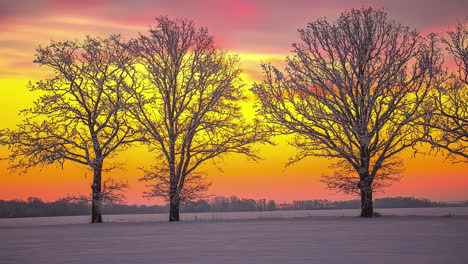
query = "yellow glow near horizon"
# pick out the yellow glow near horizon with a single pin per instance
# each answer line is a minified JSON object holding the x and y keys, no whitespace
{"x":432,"y":177}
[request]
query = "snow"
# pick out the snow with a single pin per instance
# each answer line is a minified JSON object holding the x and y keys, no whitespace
{"x":313,"y":239}
{"x":63,"y":220}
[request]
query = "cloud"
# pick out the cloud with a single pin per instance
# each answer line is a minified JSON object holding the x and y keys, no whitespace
{"x":244,"y":26}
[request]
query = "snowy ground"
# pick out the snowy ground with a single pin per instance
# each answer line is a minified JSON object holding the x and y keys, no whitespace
{"x":326,"y":239}
{"x":36,"y":221}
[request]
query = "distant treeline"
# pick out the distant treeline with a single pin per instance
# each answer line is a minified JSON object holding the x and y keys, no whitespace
{"x":34,"y":207}
{"x":396,"y":202}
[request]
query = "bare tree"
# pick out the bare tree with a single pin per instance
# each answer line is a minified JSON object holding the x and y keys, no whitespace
{"x":351,"y":92}
{"x":190,"y":106}
{"x":447,"y":112}
{"x":457,"y":45}
{"x":82,"y":113}
{"x":344,"y":179}
{"x":113,"y":191}
{"x":195,"y":187}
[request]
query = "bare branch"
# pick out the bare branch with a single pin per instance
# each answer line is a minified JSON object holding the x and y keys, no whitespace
{"x":112,"y":191}
{"x":446,"y":119}
{"x":195,"y":186}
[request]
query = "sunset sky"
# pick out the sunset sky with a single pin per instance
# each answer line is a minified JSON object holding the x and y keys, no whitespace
{"x":257,"y":30}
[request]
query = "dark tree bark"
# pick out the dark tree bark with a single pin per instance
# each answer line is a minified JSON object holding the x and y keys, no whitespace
{"x":174,"y":203}
{"x":96,"y":202}
{"x":174,"y":210}
{"x":96,"y":215}
{"x":367,"y":207}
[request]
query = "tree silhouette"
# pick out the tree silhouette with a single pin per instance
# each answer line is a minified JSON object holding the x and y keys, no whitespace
{"x":189,"y":107}
{"x":82,"y":113}
{"x":195,"y":187}
{"x":113,"y":191}
{"x":351,"y":92}
{"x":447,"y":112}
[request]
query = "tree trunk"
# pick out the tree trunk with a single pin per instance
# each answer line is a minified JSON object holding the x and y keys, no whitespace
{"x":96,"y":214}
{"x":174,"y":201}
{"x":367,"y":207}
{"x":174,"y":211}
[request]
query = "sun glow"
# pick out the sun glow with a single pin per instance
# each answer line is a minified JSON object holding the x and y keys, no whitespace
{"x":23,"y":31}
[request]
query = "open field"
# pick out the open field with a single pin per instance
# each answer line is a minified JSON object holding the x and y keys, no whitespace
{"x":314,"y":239}
{"x":36,"y":221}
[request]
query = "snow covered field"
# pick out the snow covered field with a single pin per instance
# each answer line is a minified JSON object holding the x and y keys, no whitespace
{"x":315,"y":239}
{"x":36,"y":221}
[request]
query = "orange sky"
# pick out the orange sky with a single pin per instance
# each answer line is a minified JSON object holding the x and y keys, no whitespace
{"x":260,"y":30}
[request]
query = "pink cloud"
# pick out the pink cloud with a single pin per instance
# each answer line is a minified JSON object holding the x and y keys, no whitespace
{"x":242,"y":10}
{"x":253,"y":25}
